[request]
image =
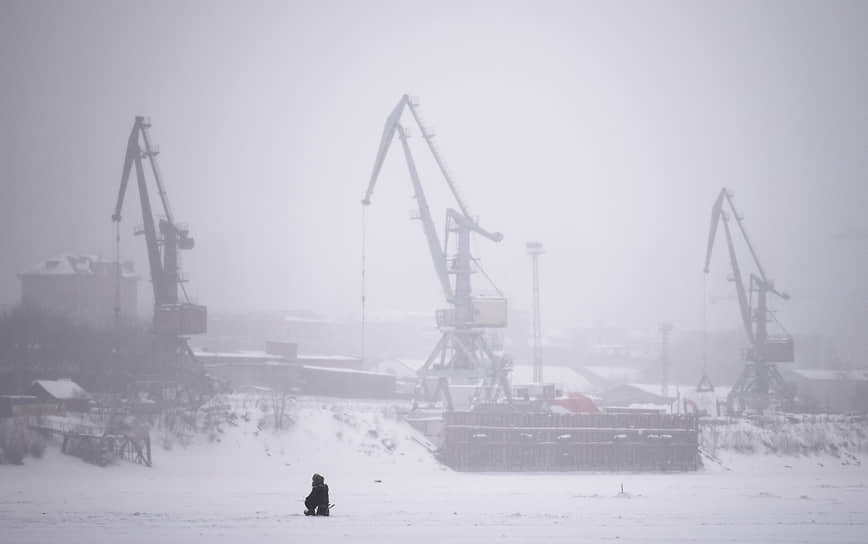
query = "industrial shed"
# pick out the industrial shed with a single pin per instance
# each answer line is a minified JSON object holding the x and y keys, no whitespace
{"x":22,"y":405}
{"x":840,"y":391}
{"x":340,"y":382}
{"x":66,"y":394}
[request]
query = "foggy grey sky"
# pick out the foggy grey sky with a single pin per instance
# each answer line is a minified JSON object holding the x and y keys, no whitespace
{"x":603,"y":130}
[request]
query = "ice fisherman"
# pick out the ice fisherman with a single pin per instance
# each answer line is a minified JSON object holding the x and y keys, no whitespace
{"x":317,"y":503}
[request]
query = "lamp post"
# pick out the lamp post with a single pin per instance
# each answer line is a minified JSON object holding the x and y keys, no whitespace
{"x":535,"y":249}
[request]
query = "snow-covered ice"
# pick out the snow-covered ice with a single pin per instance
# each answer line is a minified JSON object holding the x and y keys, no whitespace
{"x":249,"y":486}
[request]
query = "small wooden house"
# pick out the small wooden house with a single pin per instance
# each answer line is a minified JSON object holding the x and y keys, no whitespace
{"x":66,"y":394}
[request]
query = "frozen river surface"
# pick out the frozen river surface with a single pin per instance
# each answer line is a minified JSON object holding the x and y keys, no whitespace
{"x":249,"y":488}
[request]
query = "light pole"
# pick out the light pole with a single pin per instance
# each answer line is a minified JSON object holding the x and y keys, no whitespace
{"x":664,"y":329}
{"x":535,"y":249}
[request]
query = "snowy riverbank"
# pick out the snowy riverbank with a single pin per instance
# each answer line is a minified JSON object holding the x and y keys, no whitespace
{"x":844,"y":437}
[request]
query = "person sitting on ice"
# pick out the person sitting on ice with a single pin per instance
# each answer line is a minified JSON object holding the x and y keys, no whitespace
{"x":317,"y":503}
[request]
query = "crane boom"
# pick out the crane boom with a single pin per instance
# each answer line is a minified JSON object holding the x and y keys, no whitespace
{"x":718,"y":213}
{"x":151,"y":153}
{"x":761,"y":283}
{"x":392,"y":122}
{"x":437,"y":158}
{"x":134,"y":157}
{"x":163,"y":242}
{"x":741,"y":292}
{"x":133,"y":152}
{"x":437,"y":255}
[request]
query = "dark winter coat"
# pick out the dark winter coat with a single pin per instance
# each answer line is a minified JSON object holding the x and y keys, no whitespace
{"x":318,"y":500}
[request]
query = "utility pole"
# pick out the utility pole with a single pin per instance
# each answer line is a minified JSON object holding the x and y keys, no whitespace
{"x":664,"y":329}
{"x":535,"y":249}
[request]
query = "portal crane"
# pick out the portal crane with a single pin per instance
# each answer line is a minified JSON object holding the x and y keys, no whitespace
{"x":760,"y":382}
{"x":173,"y":320}
{"x":462,"y":356}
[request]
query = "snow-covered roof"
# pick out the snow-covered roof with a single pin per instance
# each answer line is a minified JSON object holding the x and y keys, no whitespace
{"x":831,"y":375}
{"x":564,"y":376}
{"x":654,"y":388}
{"x":398,"y":367}
{"x":615,"y":374}
{"x":331,"y":369}
{"x":241,"y":363}
{"x":415,"y":364}
{"x":62,"y":389}
{"x":328,"y":357}
{"x":68,"y":264}
{"x":263,"y":357}
{"x":247,"y":355}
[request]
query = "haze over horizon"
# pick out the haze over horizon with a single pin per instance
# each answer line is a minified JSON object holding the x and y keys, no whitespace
{"x":610,"y":151}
